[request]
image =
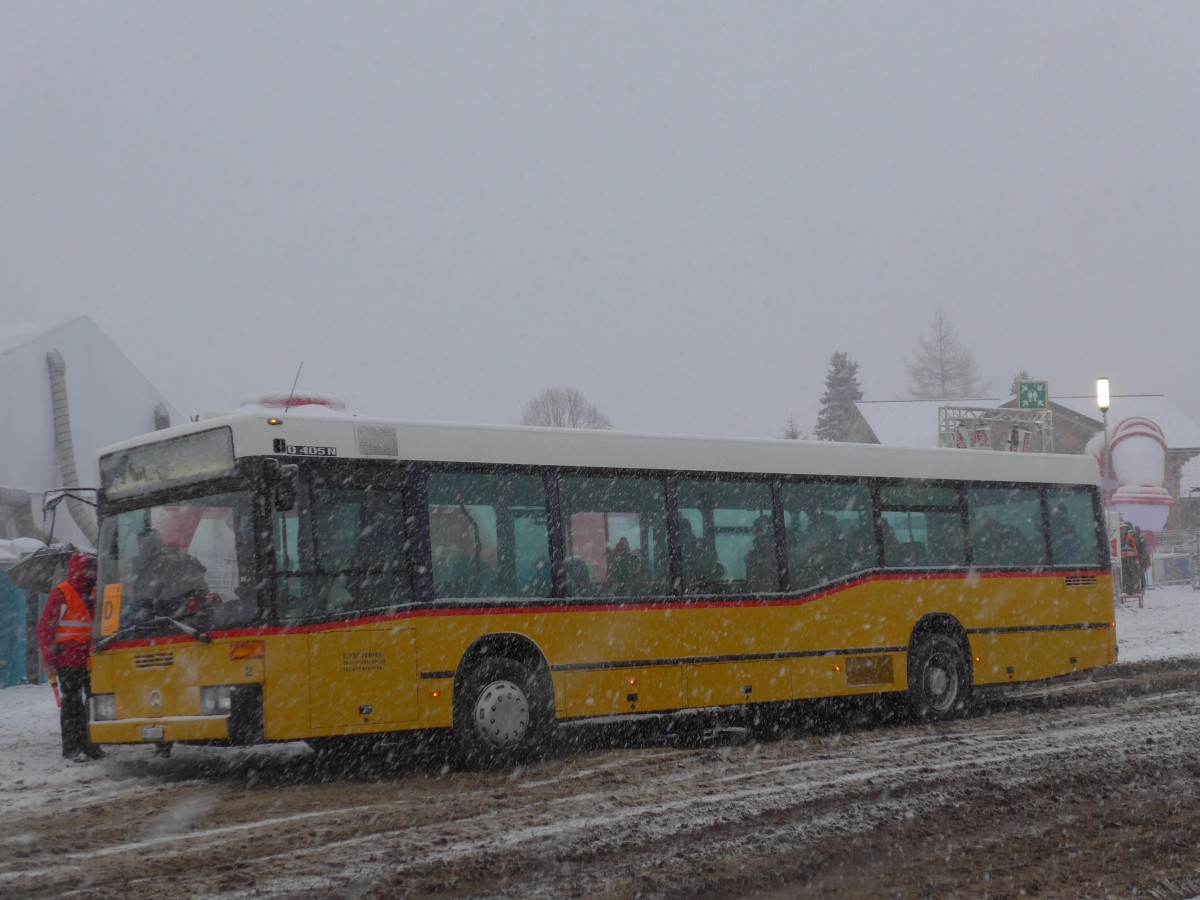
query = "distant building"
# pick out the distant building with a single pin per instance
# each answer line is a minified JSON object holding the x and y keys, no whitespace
{"x":914,"y":423}
{"x":66,"y":390}
{"x":107,"y":400}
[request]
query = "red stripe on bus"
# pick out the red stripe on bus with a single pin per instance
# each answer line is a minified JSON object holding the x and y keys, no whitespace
{"x":564,"y":607}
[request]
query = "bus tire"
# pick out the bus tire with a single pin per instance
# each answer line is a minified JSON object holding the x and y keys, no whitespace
{"x":939,"y":679}
{"x":500,"y":717}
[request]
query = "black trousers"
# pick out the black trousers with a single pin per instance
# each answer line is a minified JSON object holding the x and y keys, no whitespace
{"x":75,"y":688}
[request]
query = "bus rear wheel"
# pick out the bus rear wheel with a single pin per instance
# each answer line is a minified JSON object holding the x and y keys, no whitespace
{"x":939,"y":679}
{"x":500,"y":716}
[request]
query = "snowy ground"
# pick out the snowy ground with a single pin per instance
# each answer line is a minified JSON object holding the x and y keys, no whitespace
{"x":223,"y":798}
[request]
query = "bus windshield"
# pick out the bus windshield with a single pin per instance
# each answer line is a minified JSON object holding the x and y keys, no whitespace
{"x":189,"y":560}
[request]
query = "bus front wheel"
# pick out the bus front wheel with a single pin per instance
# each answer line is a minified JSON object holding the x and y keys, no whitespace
{"x":499,"y":716}
{"x":939,"y":679}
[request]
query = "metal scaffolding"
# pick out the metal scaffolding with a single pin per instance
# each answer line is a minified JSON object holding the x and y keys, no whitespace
{"x":996,"y":429}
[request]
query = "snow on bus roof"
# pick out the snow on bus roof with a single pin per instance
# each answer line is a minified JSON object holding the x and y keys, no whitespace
{"x":345,"y":435}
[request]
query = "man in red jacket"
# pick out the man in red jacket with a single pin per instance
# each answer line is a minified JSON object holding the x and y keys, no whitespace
{"x":65,"y":637}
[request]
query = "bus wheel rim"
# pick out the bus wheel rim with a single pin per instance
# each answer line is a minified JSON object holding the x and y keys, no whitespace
{"x":941,"y":683}
{"x":501,"y":714}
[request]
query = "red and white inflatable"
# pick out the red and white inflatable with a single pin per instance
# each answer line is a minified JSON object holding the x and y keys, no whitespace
{"x":1138,"y":452}
{"x":302,"y":403}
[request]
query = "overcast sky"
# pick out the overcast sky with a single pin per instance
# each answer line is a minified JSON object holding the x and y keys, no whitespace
{"x":681,"y":209}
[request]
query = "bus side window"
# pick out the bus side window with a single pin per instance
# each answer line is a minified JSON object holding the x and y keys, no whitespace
{"x":1006,"y":527}
{"x":361,"y":550}
{"x":489,"y":535}
{"x":1073,"y":539}
{"x":829,"y":534}
{"x":922,"y":526}
{"x":291,"y":592}
{"x":904,"y":538}
{"x":727,"y":536}
{"x":615,"y":531}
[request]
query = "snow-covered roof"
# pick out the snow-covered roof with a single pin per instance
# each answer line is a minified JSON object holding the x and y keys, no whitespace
{"x":911,"y":423}
{"x":914,"y":423}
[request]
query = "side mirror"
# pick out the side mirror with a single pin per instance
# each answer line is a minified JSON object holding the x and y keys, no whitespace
{"x":286,"y":487}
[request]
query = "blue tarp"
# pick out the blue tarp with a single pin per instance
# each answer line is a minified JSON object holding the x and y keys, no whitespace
{"x":12,"y":633}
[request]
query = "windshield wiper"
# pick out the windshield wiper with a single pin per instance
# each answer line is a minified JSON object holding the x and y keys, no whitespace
{"x":157,"y":620}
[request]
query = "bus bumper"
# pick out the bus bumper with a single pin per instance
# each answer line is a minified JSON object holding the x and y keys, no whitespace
{"x":161,"y":730}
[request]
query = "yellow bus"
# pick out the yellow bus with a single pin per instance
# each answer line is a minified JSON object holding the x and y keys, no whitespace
{"x":328,"y":577}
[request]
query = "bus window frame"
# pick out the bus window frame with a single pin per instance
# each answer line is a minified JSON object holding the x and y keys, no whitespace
{"x":422,"y":542}
{"x":1043,"y":517}
{"x":248,"y":476}
{"x":675,"y":548}
{"x":959,"y":506}
{"x":558,"y":535}
{"x":1102,"y":551}
{"x":861,"y":482}
{"x":352,"y":475}
{"x":413,"y":480}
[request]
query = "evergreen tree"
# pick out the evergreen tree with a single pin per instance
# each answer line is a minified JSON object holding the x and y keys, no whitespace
{"x":944,"y":369}
{"x":837,"y":405}
{"x":1015,"y":389}
{"x":792,"y":432}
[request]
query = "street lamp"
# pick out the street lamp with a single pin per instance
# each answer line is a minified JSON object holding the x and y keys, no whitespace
{"x":1102,"y":400}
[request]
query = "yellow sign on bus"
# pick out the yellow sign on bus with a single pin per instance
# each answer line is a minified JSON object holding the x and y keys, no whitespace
{"x":110,"y":610}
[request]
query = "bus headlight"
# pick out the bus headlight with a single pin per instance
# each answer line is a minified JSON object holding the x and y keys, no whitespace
{"x":215,"y":701}
{"x":104,"y":707}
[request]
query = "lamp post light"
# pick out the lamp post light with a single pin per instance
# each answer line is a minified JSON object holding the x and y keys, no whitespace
{"x":1102,"y":400}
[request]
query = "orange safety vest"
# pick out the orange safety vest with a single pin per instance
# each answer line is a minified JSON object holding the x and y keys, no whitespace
{"x":1129,"y":548}
{"x":75,"y":626}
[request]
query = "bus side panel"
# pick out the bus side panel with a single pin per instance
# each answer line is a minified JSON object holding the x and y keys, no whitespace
{"x":285,"y":690}
{"x":607,"y":661}
{"x":678,"y":655}
{"x":362,"y":677}
{"x":748,"y":681}
{"x":606,"y":692}
{"x":349,"y":681}
{"x":1021,"y":628}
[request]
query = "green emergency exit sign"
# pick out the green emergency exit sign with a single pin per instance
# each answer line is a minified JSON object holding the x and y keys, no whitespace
{"x":1031,"y":394}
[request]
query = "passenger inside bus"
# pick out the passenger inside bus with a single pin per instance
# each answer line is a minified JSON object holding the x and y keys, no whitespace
{"x":1064,"y":539}
{"x":463,"y":564}
{"x":816,"y":552}
{"x":701,"y":569}
{"x":578,"y":578}
{"x":538,"y":582}
{"x":997,"y":543}
{"x":762,"y":567}
{"x":167,"y":581}
{"x":624,"y":566}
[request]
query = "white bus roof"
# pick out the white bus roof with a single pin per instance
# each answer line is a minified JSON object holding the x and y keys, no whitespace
{"x":364,"y":438}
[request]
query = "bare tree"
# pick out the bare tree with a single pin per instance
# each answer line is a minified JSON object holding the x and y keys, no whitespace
{"x":944,"y":369}
{"x":563,"y":408}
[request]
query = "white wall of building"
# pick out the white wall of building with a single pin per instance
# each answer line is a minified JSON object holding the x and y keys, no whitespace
{"x":109,"y":399}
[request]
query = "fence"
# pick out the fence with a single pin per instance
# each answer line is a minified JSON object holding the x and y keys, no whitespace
{"x":1176,"y":557}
